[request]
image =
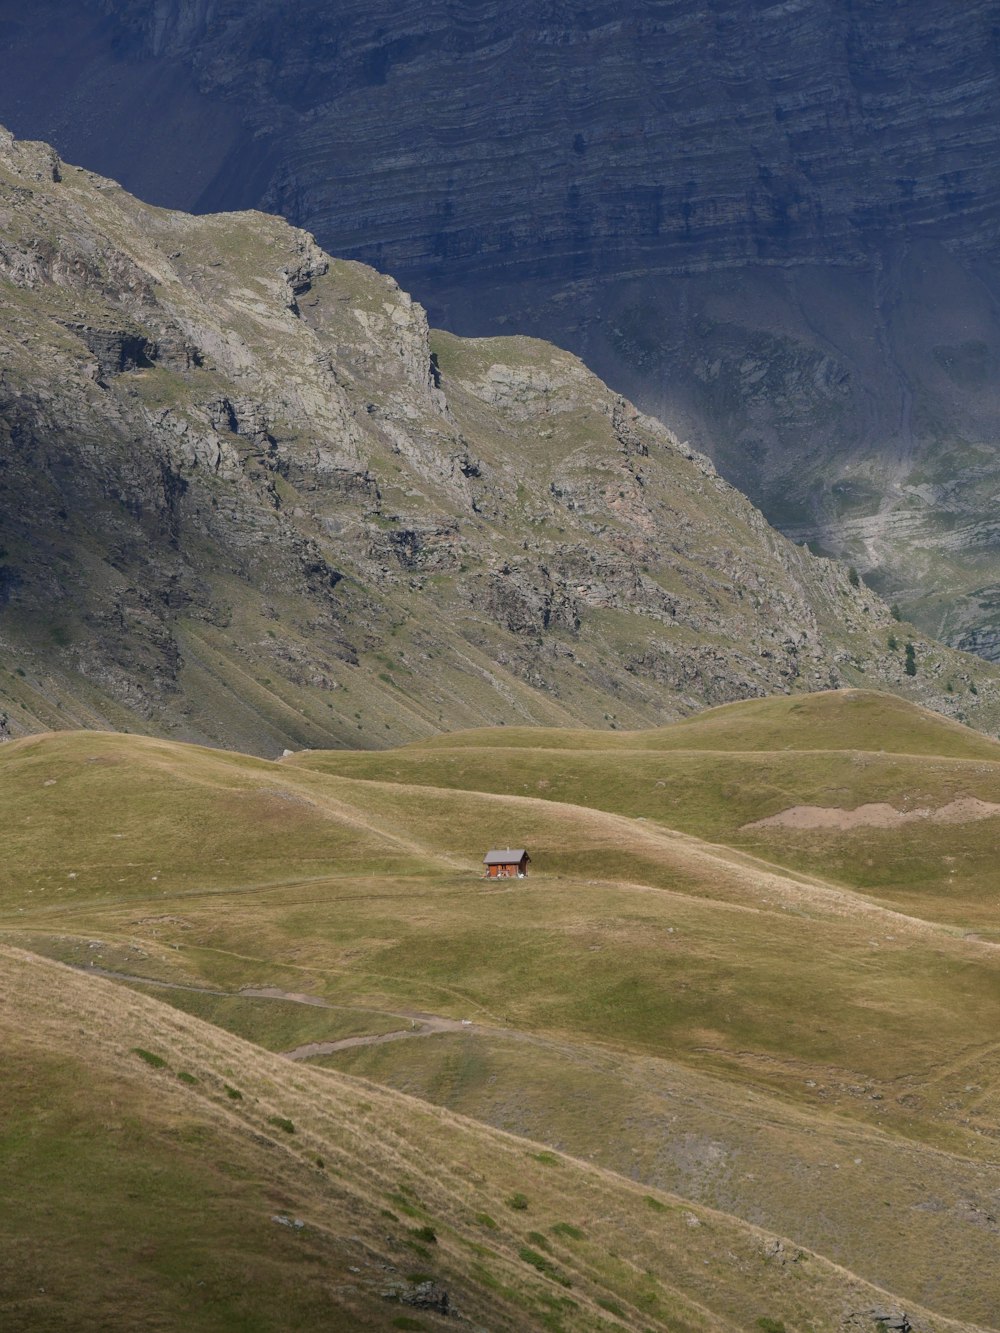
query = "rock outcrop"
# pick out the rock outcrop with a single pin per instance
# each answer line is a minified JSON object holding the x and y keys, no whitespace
{"x":247,"y":496}
{"x":774,"y":225}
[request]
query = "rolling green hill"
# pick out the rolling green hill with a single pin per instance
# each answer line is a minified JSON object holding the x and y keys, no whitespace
{"x":827,"y":720}
{"x":732,"y":1016}
{"x":160,"y":1173}
{"x":716,"y":776}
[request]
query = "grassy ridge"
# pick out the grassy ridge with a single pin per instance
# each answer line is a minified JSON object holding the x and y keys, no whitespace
{"x":732,"y":766}
{"x":826,"y":720}
{"x":855,"y":1030}
{"x":310,"y":1199}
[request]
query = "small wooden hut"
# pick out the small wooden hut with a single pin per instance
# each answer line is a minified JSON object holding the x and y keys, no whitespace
{"x":508,"y":863}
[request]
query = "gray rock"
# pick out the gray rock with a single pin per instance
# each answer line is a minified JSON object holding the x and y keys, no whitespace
{"x":893,"y":1321}
{"x":275,"y":528}
{"x":429,"y":1296}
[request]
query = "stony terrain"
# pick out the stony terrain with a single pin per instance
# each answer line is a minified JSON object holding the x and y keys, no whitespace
{"x":774,"y":225}
{"x":247,"y":497}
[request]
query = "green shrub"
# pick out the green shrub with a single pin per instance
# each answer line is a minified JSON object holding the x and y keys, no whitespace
{"x":543,"y":1265}
{"x":279,"y":1122}
{"x":185,"y":1077}
{"x":541,"y":1241}
{"x":234,"y":1093}
{"x":767,"y":1325}
{"x":655,"y":1204}
{"x":404,"y":1205}
{"x":911,"y":660}
{"x":426,"y":1234}
{"x":517,"y":1202}
{"x":157,"y":1061}
{"x":485,"y":1220}
{"x":567,"y":1229}
{"x":546,"y":1158}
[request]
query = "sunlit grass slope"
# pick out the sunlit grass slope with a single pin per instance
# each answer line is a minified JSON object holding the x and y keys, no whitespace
{"x":657,"y":956}
{"x":730,"y":767}
{"x":826,"y":720}
{"x":162,"y":1174}
{"x":222,"y":870}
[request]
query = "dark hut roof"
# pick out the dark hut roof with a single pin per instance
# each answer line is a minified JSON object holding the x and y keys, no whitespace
{"x":507,"y":857}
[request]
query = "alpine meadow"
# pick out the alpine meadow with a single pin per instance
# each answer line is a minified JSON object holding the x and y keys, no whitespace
{"x":463,"y":867}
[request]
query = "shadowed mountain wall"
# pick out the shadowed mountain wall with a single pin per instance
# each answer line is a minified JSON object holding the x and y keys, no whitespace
{"x":775,"y":225}
{"x":246,"y":495}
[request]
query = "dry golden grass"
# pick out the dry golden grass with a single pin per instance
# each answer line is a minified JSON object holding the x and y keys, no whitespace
{"x":142,"y":1198}
{"x":691,"y":1015}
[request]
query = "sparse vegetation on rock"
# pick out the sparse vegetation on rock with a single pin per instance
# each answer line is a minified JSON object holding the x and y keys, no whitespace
{"x":246,"y":507}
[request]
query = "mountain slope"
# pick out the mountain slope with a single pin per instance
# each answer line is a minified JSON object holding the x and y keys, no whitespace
{"x":314,"y":1198}
{"x":692,"y":1009}
{"x":772,"y":224}
{"x":247,"y":497}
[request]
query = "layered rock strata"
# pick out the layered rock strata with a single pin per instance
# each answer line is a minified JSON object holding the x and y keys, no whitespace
{"x":247,"y":497}
{"x":772,"y":224}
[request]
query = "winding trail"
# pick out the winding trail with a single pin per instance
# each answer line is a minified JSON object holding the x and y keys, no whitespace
{"x":420,"y":1024}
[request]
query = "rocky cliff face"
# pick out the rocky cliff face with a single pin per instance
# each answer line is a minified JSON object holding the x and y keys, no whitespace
{"x":675,"y":137}
{"x":246,"y":496}
{"x":772,"y":224}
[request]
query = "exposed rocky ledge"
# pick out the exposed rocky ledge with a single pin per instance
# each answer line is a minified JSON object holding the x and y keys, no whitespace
{"x":248,"y":496}
{"x":809,"y":295}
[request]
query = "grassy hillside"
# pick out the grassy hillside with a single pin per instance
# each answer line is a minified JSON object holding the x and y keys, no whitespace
{"x":179,"y":1176}
{"x":717,"y":775}
{"x":826,"y":720}
{"x":723,"y":1013}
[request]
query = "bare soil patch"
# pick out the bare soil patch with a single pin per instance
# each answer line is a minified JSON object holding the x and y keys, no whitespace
{"x":963,"y":810}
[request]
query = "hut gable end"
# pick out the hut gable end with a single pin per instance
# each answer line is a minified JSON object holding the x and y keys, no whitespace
{"x":504,"y":863}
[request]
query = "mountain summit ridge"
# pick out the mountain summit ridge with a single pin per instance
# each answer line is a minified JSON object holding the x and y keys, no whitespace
{"x":250,"y":498}
{"x":772,"y":225}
